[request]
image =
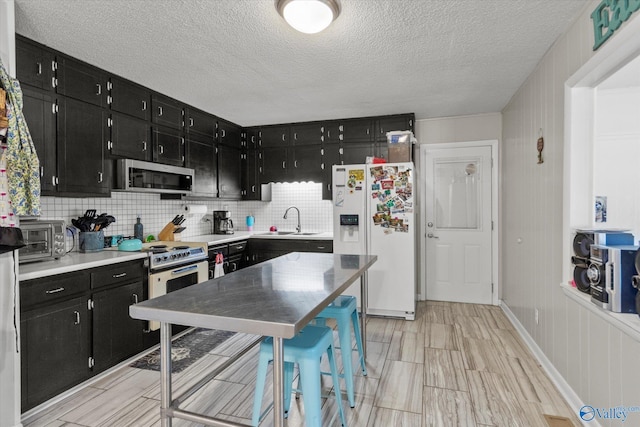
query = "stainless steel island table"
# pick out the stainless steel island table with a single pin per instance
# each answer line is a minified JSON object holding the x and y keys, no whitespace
{"x":275,"y":298}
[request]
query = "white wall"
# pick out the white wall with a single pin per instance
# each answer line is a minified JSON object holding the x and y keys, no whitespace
{"x":591,"y":355}
{"x":459,"y":129}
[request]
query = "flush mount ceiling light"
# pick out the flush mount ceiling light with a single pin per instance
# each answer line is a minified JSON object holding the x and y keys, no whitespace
{"x":308,"y":16}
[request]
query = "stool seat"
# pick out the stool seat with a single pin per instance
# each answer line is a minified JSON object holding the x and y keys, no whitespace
{"x":345,"y":310}
{"x":305,"y":349}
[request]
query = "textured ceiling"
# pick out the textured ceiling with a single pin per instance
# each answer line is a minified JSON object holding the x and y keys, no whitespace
{"x":239,"y":60}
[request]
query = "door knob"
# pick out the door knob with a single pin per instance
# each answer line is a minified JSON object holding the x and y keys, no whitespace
{"x":431,"y":236}
{"x":429,"y":224}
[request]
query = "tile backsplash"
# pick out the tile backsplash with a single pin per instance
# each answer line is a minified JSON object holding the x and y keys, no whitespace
{"x":315,"y":213}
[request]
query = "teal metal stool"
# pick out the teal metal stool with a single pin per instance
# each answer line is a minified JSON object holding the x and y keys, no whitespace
{"x":305,"y":349}
{"x":345,"y":310}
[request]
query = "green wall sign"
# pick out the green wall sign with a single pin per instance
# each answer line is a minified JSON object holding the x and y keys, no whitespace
{"x":608,"y":17}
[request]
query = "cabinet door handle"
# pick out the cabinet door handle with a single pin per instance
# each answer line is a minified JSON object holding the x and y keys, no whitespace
{"x":295,"y":136}
{"x":320,"y":247}
{"x":135,"y":298}
{"x":99,"y":177}
{"x":119,"y":275}
{"x":190,"y":121}
{"x":144,"y":105}
{"x":159,"y":111}
{"x":99,"y":89}
{"x":144,"y":145}
{"x":77,"y":314}
{"x":41,"y":171}
{"x":253,"y":188}
{"x":224,"y":133}
{"x":284,"y":164}
{"x":54,"y":291}
{"x":283,"y":137}
{"x":295,"y":163}
{"x":39,"y":72}
{"x":161,"y":149}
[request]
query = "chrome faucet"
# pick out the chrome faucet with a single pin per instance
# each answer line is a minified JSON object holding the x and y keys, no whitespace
{"x":298,"y":228}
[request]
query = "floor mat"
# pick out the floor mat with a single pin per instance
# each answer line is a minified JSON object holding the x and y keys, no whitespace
{"x":185,"y":350}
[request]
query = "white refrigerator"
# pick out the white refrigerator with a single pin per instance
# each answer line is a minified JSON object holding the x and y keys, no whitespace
{"x":373,"y":213}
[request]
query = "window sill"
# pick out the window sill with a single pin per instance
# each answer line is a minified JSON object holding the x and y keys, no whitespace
{"x":629,"y":323}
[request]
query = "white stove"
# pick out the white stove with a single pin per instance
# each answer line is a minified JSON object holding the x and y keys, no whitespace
{"x":165,"y":254}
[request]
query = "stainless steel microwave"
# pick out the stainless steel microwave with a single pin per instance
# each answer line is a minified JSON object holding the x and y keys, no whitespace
{"x":44,"y":240}
{"x":136,"y":175}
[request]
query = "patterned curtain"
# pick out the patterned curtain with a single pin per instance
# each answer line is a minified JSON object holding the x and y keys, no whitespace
{"x":19,"y":164}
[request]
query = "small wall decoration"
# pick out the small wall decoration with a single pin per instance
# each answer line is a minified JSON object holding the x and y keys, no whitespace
{"x":601,"y":209}
{"x":540,"y":147}
{"x":609,"y":16}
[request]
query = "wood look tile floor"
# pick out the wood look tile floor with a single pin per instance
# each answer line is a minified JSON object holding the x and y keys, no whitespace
{"x":455,"y":365}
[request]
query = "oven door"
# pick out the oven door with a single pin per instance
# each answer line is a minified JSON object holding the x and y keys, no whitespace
{"x":163,"y":282}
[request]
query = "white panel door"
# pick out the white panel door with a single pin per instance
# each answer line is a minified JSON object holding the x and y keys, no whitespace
{"x":458,"y":224}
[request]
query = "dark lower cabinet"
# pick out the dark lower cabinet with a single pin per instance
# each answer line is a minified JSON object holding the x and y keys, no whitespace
{"x":259,"y":250}
{"x":76,"y":325}
{"x":55,"y":343}
{"x":117,"y":336}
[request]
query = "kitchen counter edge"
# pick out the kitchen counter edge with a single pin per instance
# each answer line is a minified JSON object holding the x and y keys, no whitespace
{"x":75,"y":261}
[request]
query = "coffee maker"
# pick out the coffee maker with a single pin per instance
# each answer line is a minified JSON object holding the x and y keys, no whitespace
{"x":222,"y":223}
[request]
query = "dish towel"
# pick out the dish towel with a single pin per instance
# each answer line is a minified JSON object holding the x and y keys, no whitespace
{"x":19,"y":164}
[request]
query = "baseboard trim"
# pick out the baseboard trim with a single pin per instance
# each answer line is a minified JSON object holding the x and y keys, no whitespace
{"x":558,"y":380}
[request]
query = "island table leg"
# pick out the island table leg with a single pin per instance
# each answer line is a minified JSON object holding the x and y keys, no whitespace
{"x":278,"y":382}
{"x":165,"y":373}
{"x":363,"y":311}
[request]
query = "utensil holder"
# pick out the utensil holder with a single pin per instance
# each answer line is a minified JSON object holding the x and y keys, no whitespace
{"x":90,"y":241}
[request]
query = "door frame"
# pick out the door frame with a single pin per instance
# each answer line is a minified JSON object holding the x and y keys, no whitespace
{"x":495,"y":211}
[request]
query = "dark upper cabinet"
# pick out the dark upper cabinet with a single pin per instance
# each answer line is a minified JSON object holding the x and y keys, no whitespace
{"x":251,"y":137}
{"x":81,"y":81}
{"x":229,"y":169}
{"x":356,"y":153}
{"x":166,"y":111}
{"x":82,"y":130}
{"x":250,"y":175}
{"x":332,"y":131}
{"x":306,"y":163}
{"x":274,"y":164}
{"x":34,"y":65}
{"x":55,"y":346}
{"x":39,"y":113}
{"x":357,"y":130}
{"x":200,"y":122}
{"x":305,"y":134}
{"x":168,"y":146}
{"x":331,"y":155}
{"x":229,"y":133}
{"x":391,"y":123}
{"x":201,"y":157}
{"x":129,"y":98}
{"x":130,"y":137}
{"x":274,"y":136}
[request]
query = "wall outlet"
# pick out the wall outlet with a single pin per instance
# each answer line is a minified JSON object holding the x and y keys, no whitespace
{"x":536,"y":316}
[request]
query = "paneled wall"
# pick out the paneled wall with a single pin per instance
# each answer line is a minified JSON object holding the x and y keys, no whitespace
{"x":590,"y":354}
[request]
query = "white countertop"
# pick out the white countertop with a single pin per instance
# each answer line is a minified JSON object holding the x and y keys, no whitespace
{"x":75,"y":261}
{"x":214,"y":239}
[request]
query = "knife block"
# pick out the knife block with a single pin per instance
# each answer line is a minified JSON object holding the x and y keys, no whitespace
{"x":168,"y":233}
